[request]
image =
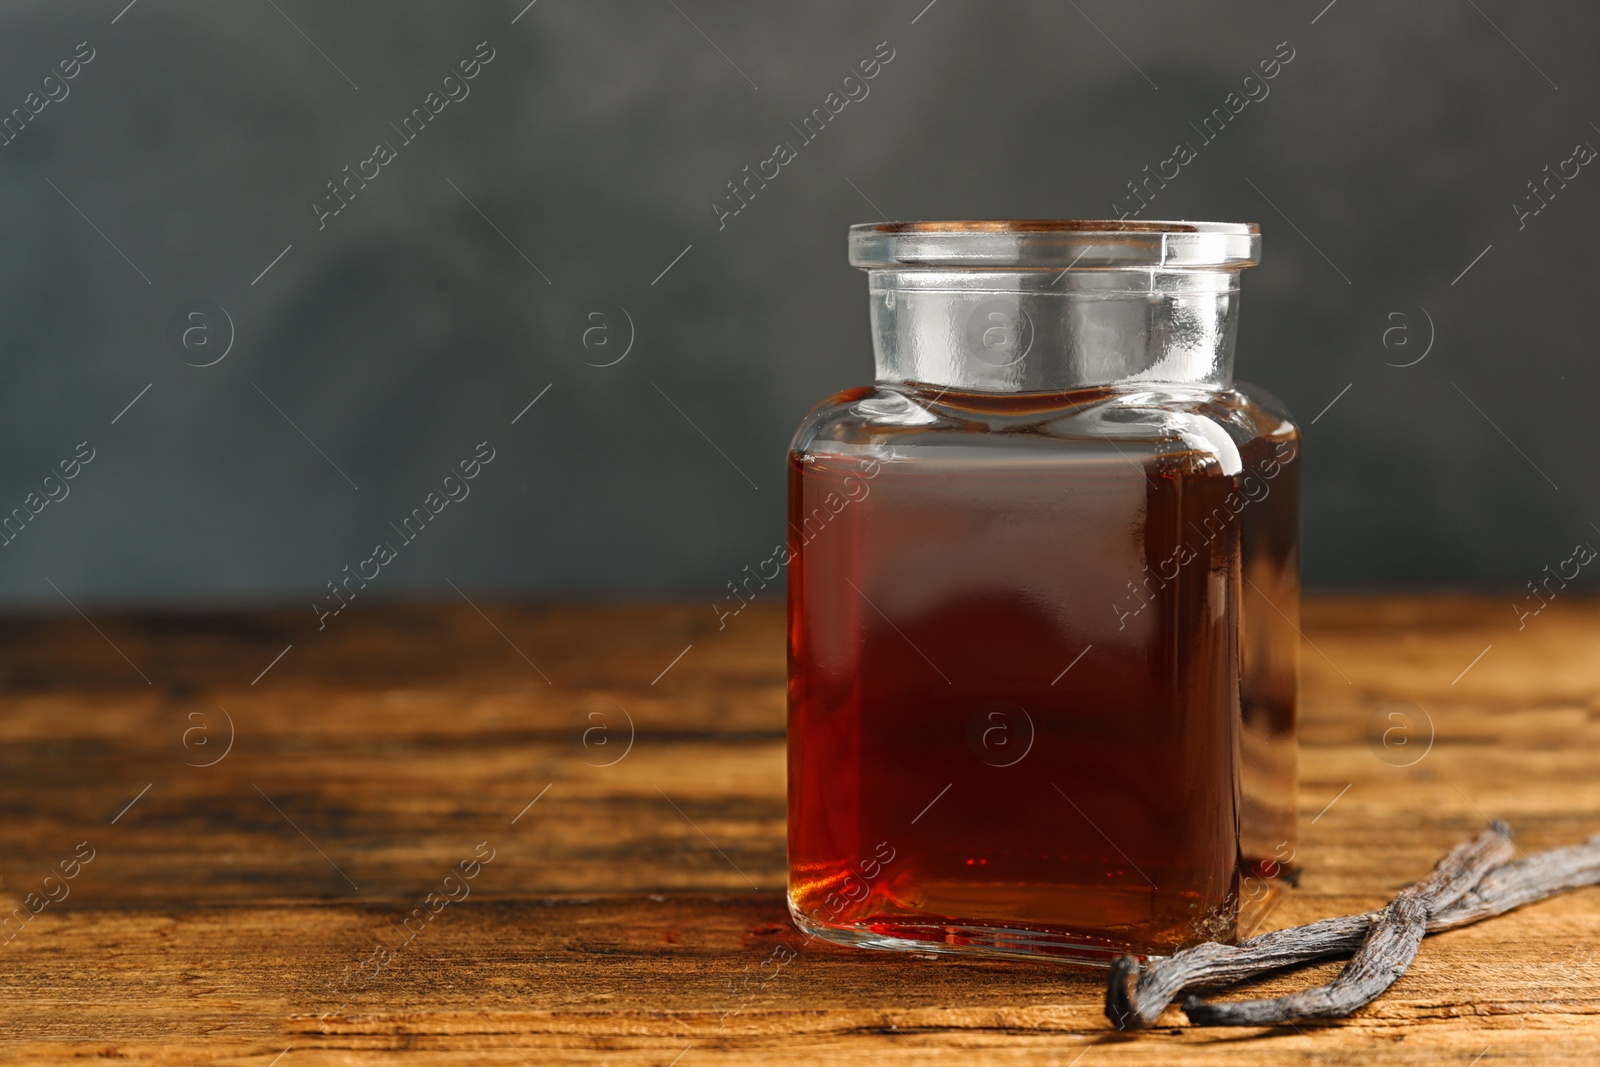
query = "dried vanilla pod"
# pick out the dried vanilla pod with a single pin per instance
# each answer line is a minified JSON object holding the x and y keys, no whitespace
{"x":1136,"y":995}
{"x":1390,"y":944}
{"x":1522,"y":882}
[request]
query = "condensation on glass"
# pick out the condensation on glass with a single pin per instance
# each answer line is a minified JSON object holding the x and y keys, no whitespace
{"x":1043,"y":600}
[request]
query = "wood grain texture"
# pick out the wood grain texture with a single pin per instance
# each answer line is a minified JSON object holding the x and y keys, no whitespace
{"x":635,"y":912}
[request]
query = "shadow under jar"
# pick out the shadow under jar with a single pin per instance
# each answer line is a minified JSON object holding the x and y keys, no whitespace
{"x":1043,"y":600}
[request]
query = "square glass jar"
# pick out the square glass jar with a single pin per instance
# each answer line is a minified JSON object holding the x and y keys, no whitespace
{"x":1043,"y":592}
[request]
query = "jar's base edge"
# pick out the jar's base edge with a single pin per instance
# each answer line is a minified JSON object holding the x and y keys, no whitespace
{"x":969,"y":941}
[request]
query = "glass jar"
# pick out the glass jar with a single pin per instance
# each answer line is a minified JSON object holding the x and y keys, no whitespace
{"x":1043,"y":600}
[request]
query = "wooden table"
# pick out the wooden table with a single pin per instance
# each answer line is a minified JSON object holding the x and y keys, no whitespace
{"x":632,"y":913}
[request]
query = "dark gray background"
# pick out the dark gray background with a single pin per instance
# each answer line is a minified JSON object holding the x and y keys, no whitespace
{"x":409,"y":329}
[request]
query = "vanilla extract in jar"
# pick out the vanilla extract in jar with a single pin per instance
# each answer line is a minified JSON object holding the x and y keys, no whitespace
{"x":1043,"y":600}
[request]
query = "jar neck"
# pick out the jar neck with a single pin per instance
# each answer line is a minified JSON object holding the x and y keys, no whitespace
{"x":1034,"y":330}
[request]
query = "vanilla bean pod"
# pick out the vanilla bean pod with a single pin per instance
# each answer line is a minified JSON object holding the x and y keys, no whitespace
{"x":1384,"y":943}
{"x":1388,"y":949}
{"x":1524,"y":881}
{"x":1136,"y":996}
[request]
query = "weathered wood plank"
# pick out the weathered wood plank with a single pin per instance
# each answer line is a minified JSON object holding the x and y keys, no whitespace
{"x":635,"y":910}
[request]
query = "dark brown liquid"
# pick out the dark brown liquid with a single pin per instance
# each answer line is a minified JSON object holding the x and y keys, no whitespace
{"x":1014,"y":686}
{"x":1269,"y":646}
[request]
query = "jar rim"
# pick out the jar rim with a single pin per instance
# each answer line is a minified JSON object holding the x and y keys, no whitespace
{"x":1078,"y":244}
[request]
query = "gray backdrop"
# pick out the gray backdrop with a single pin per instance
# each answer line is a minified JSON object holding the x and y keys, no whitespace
{"x":382,"y":343}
